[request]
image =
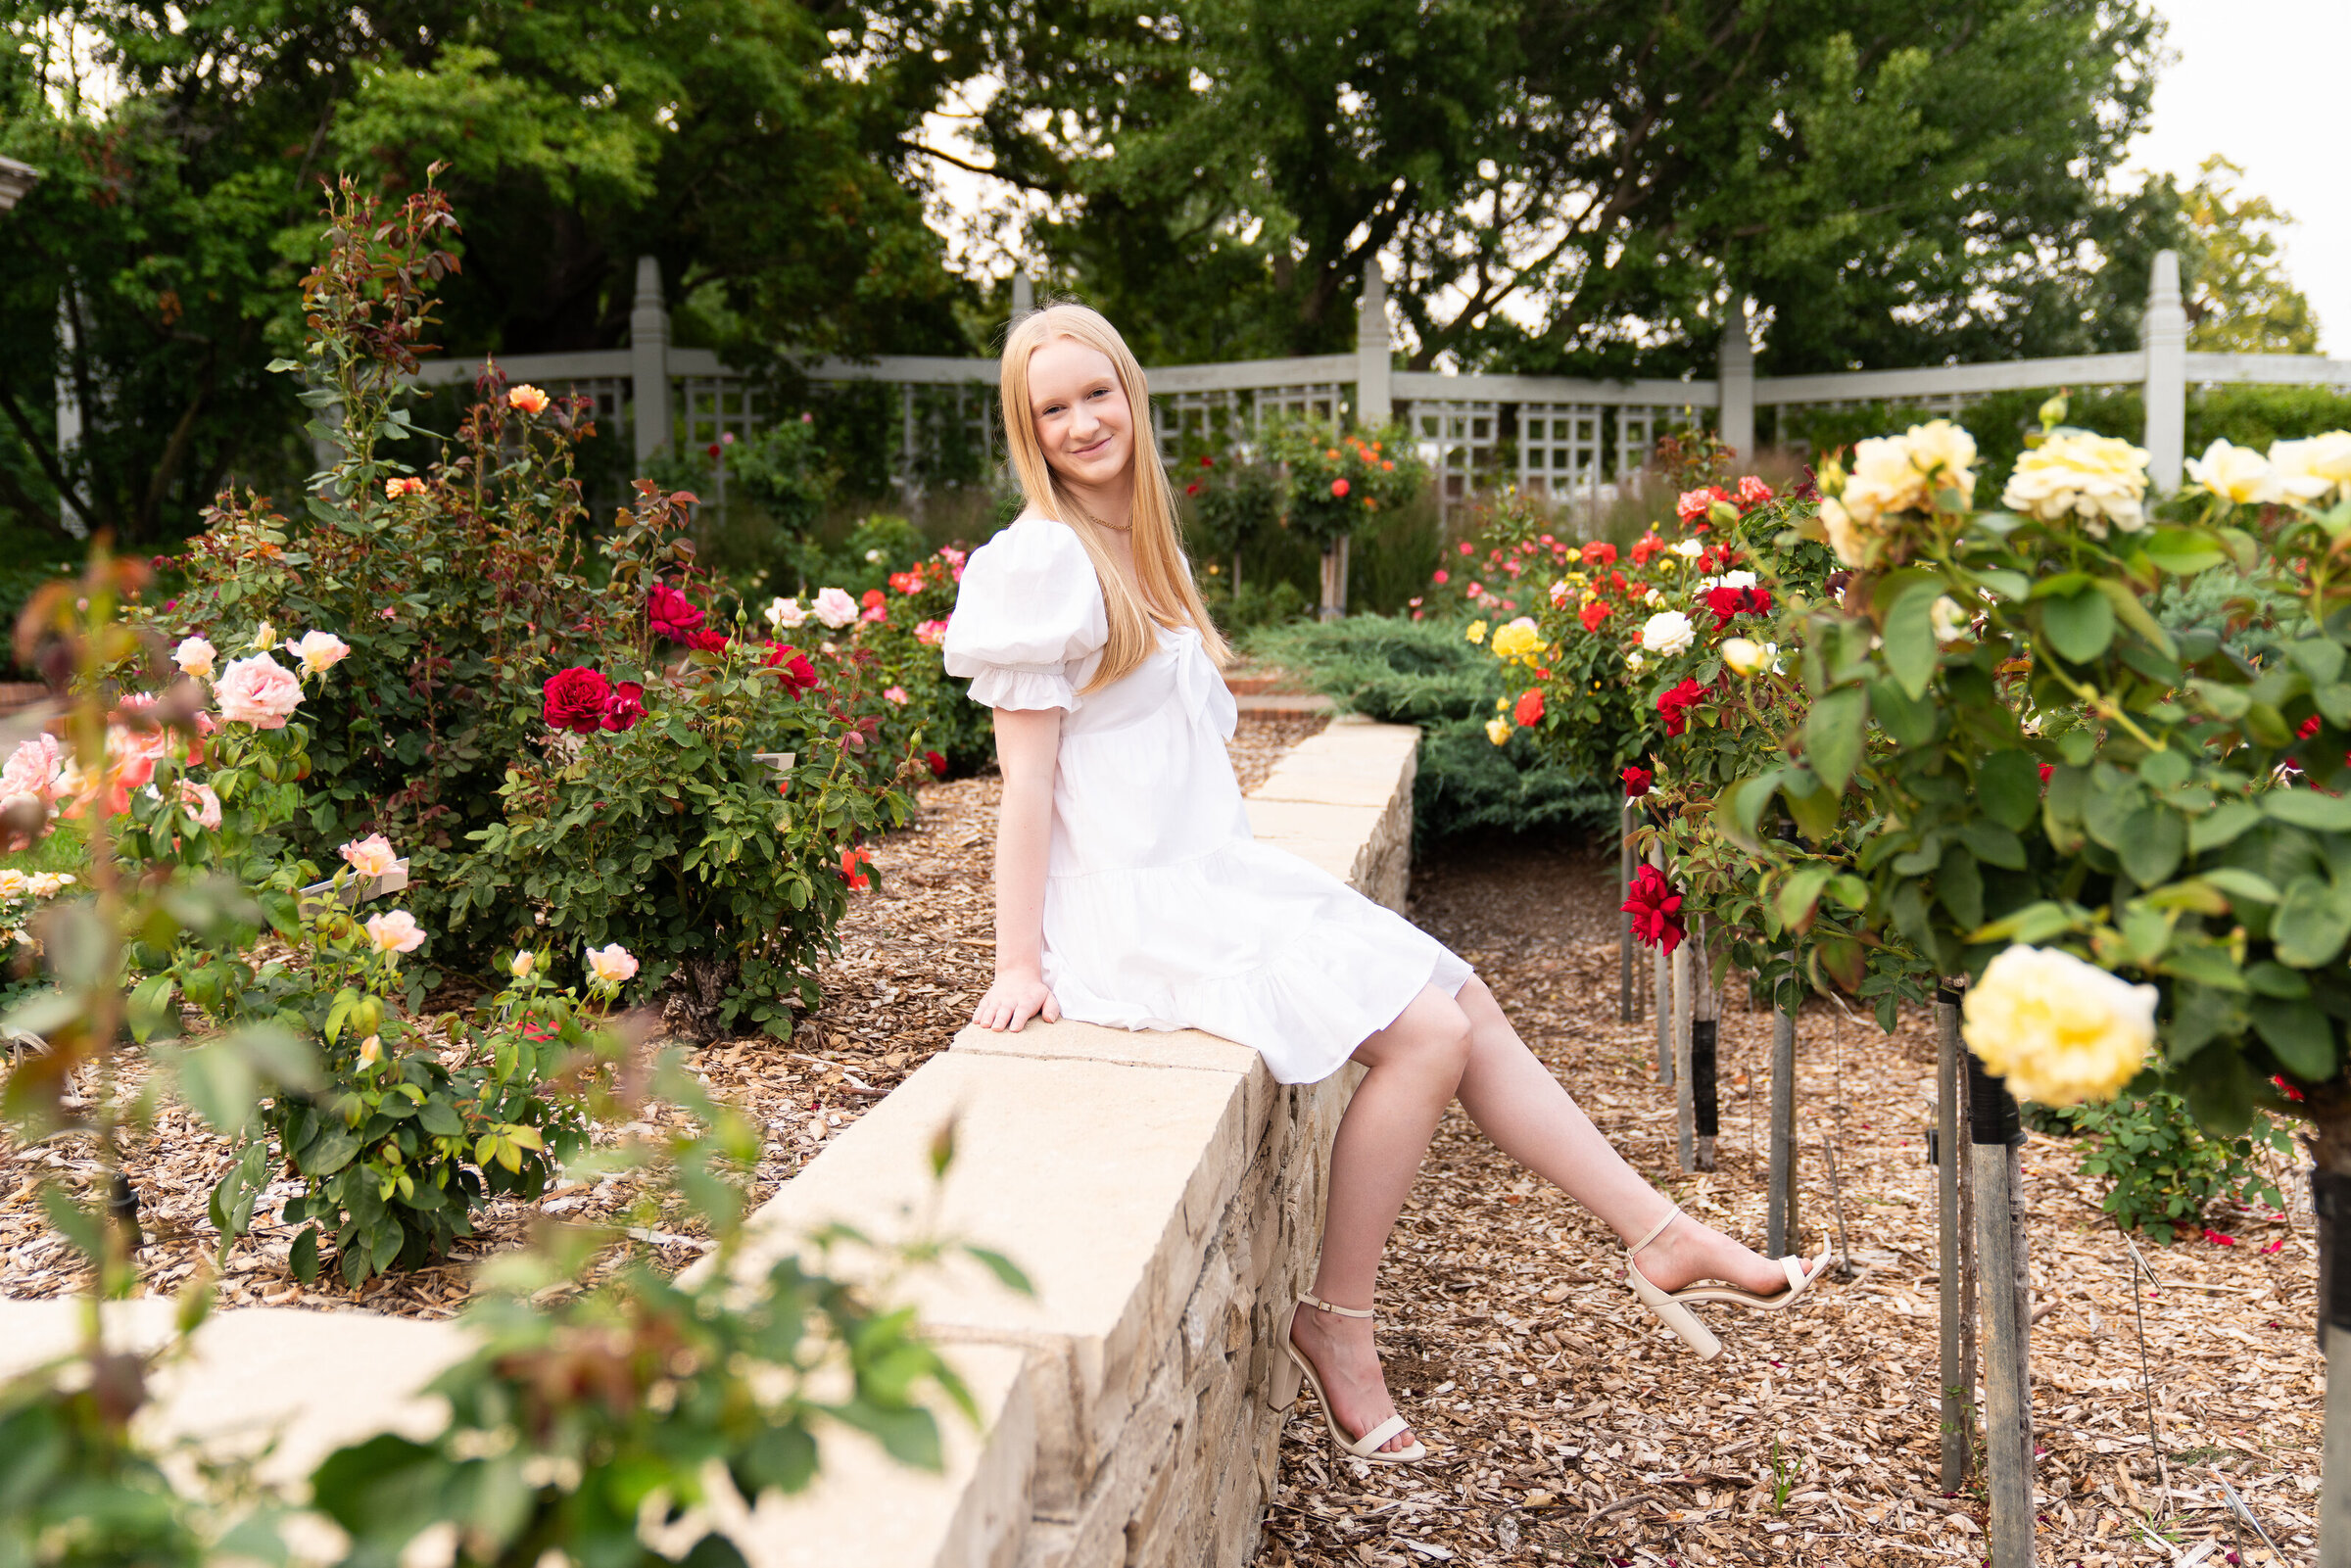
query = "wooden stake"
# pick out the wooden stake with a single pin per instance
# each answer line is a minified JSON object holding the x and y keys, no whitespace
{"x":2331,"y":1201}
{"x":1661,"y":989}
{"x":1628,"y":992}
{"x":1685,"y":1125}
{"x":2007,"y":1399}
{"x":1780,"y":1226}
{"x":1959,"y":1378}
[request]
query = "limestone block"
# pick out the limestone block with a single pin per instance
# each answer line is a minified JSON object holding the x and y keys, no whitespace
{"x":1070,"y":1040}
{"x":311,"y":1382}
{"x":1352,"y":762}
{"x":1083,"y":1173}
{"x":1329,"y":837}
{"x":866,"y":1508}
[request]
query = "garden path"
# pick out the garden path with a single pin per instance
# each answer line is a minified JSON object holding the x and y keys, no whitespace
{"x":1568,"y":1427}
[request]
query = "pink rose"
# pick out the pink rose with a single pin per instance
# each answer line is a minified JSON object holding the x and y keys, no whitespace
{"x":318,"y":651}
{"x":897,"y":695}
{"x":371,"y":856}
{"x":611,"y":967}
{"x":202,"y":802}
{"x":396,"y":932}
{"x":259,"y":692}
{"x":32,"y":769}
{"x":931,"y":634}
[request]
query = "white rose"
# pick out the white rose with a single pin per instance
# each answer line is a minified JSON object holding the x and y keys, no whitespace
{"x":1668,"y":631}
{"x":785,"y":613}
{"x":1688,"y":549}
{"x":1944,"y":455}
{"x":1948,"y":619}
{"x":1633,"y":662}
{"x":2058,"y":1029}
{"x":2297,"y":470}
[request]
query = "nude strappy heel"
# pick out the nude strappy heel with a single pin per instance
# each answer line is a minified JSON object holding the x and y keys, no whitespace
{"x":1287,"y":1373}
{"x":1673,"y":1306}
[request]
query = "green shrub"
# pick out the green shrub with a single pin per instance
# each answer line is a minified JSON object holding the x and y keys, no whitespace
{"x":1427,"y":673}
{"x":2161,"y":1171}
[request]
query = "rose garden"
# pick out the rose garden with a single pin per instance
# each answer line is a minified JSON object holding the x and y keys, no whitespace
{"x":434,"y":897}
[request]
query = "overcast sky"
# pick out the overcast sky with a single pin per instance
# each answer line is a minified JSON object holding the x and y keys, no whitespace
{"x":2261,"y":82}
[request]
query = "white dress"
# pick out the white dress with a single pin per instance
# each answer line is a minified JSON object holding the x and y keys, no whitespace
{"x":1161,"y":911}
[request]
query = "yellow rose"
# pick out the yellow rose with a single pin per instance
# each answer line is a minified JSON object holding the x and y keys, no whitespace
{"x":2058,"y":1029}
{"x":2307,"y":470}
{"x":2238,"y":474}
{"x":1744,"y":656}
{"x":2100,"y":480}
{"x":1946,"y":454}
{"x":1845,"y":538}
{"x":1498,"y":730}
{"x":1517,"y":641}
{"x":1883,"y":480}
{"x":1477,"y":632}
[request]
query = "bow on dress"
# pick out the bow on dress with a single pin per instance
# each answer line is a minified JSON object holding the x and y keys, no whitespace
{"x":1205,"y":696}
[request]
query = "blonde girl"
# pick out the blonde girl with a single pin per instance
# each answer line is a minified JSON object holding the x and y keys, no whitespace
{"x":1130,"y":892}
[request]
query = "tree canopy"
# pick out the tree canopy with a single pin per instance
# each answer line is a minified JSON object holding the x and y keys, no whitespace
{"x":1586,"y":184}
{"x":2239,"y":300}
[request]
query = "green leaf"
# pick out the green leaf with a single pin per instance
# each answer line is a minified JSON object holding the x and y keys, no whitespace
{"x":2312,"y":922}
{"x":2008,"y":787}
{"x":2306,"y":808}
{"x":2133,"y":612}
{"x":303,"y":1258}
{"x":2182,"y":553}
{"x":1910,"y":637}
{"x":1799,"y":893}
{"x":1007,"y":1272}
{"x":218,"y":1083}
{"x":1959,"y":888}
{"x":2321,"y":658}
{"x":2008,"y":585}
{"x":1909,"y":722}
{"x":1833,"y":735}
{"x":1991,"y":844}
{"x":2078,"y":628}
{"x":2299,"y":1034}
{"x":329,"y":1151}
{"x":2152,"y":841}
{"x":908,"y":1436}
{"x":2221,"y":825}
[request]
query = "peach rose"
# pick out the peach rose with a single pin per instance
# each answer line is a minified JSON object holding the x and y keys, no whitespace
{"x":527,"y":398}
{"x":203,"y":803}
{"x":395,"y":931}
{"x":259,"y":692}
{"x":611,"y":967}
{"x":318,"y":651}
{"x":371,"y":856}
{"x":195,"y":656}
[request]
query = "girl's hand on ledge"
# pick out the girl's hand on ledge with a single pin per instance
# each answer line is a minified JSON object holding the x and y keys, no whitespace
{"x":1013,"y":1000}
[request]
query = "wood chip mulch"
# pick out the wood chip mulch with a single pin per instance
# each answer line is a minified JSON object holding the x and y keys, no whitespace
{"x":1568,"y":1426}
{"x":915,"y":955}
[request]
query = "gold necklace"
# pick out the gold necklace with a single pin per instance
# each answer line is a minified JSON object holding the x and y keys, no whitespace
{"x":1115,"y":528}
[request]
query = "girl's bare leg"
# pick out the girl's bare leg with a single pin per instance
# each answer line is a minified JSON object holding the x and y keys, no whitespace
{"x":1416,"y":1069}
{"x":1515,"y":1101}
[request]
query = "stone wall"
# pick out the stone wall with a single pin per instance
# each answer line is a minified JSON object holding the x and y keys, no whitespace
{"x":1164,"y":1195}
{"x":1162,"y":1192}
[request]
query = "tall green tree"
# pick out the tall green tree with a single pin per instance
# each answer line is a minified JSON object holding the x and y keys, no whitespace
{"x":756,"y":147}
{"x":1587,"y":184}
{"x":2239,"y":298}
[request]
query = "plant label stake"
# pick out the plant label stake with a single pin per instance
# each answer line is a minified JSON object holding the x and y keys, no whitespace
{"x":1706,"y":1012}
{"x":1661,"y":986}
{"x":2331,"y":1201}
{"x":1628,"y":993}
{"x":1781,"y":1226}
{"x":1685,"y":1126}
{"x":1959,"y":1378}
{"x":1993,"y":1132}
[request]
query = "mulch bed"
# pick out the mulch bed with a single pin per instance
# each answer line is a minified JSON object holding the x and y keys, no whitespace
{"x":915,"y":955}
{"x":1568,"y":1426}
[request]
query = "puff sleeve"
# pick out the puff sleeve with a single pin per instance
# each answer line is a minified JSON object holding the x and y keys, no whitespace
{"x":1028,"y":616}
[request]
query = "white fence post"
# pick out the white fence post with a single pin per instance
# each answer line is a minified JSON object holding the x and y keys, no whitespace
{"x":1736,"y":364}
{"x":1024,"y":293}
{"x":2163,"y":331}
{"x":68,"y":416}
{"x":1375,"y":405}
{"x":649,"y":361}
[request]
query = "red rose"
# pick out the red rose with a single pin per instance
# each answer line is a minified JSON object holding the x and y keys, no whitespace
{"x":2310,"y":727}
{"x":1600,"y":552}
{"x":1752,"y":492}
{"x":1338,"y":490}
{"x":1530,"y":708}
{"x":1637,"y":781}
{"x":1656,"y":908}
{"x":906,"y":582}
{"x":1675,"y":705}
{"x":2046,"y":770}
{"x":852,"y":867}
{"x":938,"y":764}
{"x":575,"y":700}
{"x":1592,"y":614}
{"x":873,"y":599}
{"x":624,"y":707}
{"x":792,"y":667}
{"x":673,"y":615}
{"x":1647,"y":546}
{"x":705,"y":641}
{"x":1726,"y":603}
{"x":1692,"y":505}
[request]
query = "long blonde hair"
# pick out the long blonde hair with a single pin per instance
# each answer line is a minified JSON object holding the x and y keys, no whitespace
{"x":1168,"y":595}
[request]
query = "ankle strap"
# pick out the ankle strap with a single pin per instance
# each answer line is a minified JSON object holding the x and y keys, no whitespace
{"x":1657,"y":1230}
{"x":1321,"y":1306}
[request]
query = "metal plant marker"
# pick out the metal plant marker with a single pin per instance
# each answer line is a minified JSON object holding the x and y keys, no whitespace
{"x":1628,"y":989}
{"x":1781,"y":1226}
{"x":1959,"y":1374}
